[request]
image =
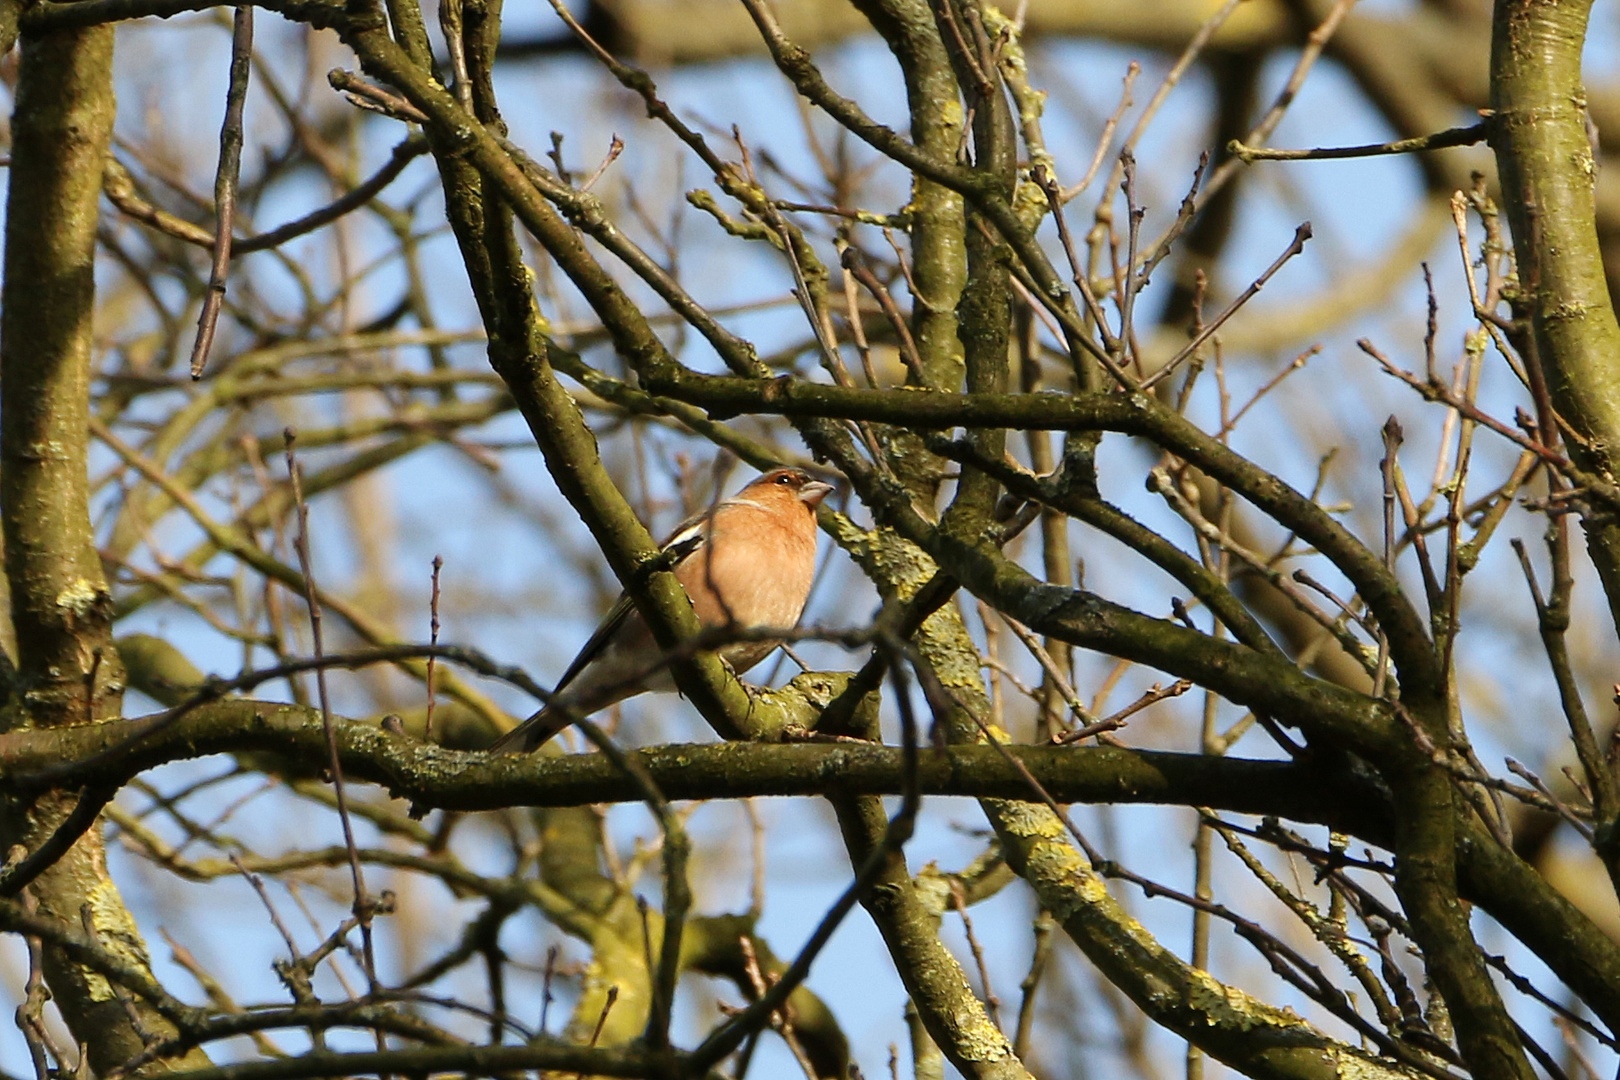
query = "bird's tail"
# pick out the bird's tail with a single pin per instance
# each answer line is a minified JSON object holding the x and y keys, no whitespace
{"x":533,"y":733}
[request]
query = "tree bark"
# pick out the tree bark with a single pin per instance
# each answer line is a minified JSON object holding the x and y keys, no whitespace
{"x":68,"y":671}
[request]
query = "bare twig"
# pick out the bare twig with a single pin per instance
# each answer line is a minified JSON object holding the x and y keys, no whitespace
{"x":225,"y":183}
{"x":362,"y":899}
{"x":1044,"y":927}
{"x":1463,"y":136}
{"x":433,"y":639}
{"x":991,"y":1002}
{"x":1105,"y":140}
{"x":1301,"y":234}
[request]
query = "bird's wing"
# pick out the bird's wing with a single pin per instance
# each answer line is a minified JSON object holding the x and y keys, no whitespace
{"x":682,"y":544}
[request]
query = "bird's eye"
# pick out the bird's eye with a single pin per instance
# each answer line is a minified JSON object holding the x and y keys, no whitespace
{"x":784,"y":479}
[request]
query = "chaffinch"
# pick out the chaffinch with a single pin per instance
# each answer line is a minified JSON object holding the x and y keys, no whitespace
{"x":746,"y":562}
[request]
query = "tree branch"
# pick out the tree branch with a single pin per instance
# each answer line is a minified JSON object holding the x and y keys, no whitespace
{"x":473,"y":780}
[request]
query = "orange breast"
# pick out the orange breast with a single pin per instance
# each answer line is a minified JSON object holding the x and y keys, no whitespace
{"x":755,"y":570}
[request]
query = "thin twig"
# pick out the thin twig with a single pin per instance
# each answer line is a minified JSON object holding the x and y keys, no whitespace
{"x":1044,"y":927}
{"x":407,"y":151}
{"x":615,"y":148}
{"x":1392,"y":441}
{"x":854,"y":262}
{"x":433,"y":638}
{"x":991,"y":1002}
{"x":607,"y":1006}
{"x":1460,"y":136}
{"x":451,"y":25}
{"x":1301,"y":234}
{"x":362,"y":900}
{"x":547,"y":997}
{"x":1106,"y":138}
{"x":1153,"y":696}
{"x":225,"y":183}
{"x":1439,"y":391}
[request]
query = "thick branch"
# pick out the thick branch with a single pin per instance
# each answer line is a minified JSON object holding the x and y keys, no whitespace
{"x":934,"y":980}
{"x":1545,"y":160}
{"x":1426,"y":881}
{"x":559,"y":1058}
{"x":67,"y":665}
{"x":60,"y":604}
{"x":460,"y":780}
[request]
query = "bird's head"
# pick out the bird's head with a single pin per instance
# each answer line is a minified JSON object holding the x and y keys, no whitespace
{"x":795,"y":484}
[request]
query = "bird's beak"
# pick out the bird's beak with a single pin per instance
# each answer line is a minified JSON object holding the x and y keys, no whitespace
{"x":813,"y":492}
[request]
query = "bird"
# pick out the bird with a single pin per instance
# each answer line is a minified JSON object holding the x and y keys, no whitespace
{"x":746,"y":562}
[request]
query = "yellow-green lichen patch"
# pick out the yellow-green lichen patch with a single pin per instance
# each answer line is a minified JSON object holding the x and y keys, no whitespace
{"x":946,"y":643}
{"x":1030,"y":203}
{"x":115,"y":933}
{"x":1226,"y":1006}
{"x":903,"y":564}
{"x":977,"y":1039}
{"x":1060,"y":875}
{"x":78,"y":601}
{"x":933,"y":890}
{"x":1030,"y":820}
{"x":1348,"y":1066}
{"x":49,"y":450}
